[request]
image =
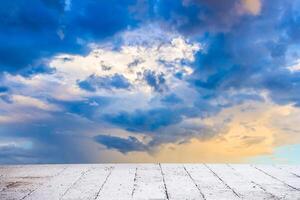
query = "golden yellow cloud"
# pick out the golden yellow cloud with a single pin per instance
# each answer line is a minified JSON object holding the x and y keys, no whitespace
{"x":254,"y":129}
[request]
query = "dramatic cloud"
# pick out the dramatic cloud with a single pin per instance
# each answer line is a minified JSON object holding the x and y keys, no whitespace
{"x":157,"y":82}
{"x":141,"y":121}
{"x":123,"y":145}
{"x":93,"y":82}
{"x":35,"y":30}
{"x":85,"y":81}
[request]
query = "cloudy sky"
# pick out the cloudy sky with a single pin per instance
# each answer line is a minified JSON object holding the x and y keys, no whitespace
{"x":149,"y":81}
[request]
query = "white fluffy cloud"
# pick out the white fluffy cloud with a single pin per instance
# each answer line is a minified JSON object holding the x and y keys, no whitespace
{"x":159,"y":52}
{"x":130,"y":61}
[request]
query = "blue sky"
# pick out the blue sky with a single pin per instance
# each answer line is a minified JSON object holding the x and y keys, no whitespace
{"x":149,"y":80}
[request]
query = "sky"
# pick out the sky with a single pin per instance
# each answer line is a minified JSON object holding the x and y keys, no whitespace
{"x":149,"y":81}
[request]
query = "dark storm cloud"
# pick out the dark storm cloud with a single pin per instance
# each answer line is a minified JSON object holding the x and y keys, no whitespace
{"x":170,"y":134}
{"x":93,"y":82}
{"x":124,"y":145}
{"x":144,"y":120}
{"x":85,"y":108}
{"x":156,"y":81}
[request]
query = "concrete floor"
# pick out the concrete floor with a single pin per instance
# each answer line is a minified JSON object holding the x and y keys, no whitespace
{"x":150,"y":181}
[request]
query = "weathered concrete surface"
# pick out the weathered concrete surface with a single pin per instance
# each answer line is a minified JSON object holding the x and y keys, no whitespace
{"x":150,"y":181}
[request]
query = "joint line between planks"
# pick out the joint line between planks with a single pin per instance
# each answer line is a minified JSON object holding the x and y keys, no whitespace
{"x":193,"y":180}
{"x":106,"y":178}
{"x":275,"y":178}
{"x":57,"y":174}
{"x":78,"y":179}
{"x":258,"y":185}
{"x":222,"y":181}
{"x":164,"y":181}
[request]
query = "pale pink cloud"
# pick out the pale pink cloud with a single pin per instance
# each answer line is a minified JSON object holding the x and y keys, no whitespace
{"x":252,"y":6}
